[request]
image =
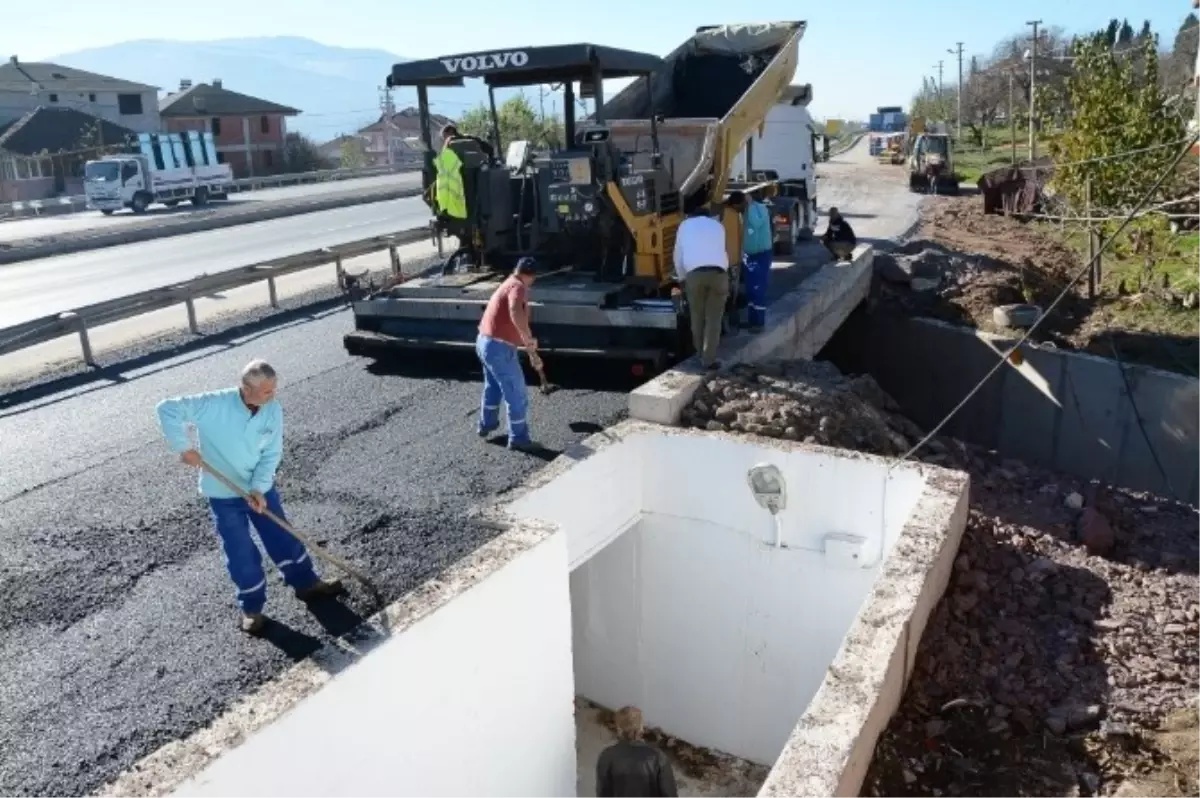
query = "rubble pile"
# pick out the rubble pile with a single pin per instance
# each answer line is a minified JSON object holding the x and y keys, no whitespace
{"x":806,"y":401}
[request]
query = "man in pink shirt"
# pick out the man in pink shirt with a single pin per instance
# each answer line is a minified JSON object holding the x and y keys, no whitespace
{"x":503,"y":331}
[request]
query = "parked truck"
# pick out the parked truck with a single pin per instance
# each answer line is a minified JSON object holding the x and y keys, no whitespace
{"x":783,"y":153}
{"x":158,"y":167}
{"x":599,"y":216}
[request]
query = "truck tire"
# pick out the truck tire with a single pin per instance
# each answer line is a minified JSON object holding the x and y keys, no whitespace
{"x":171,"y":203}
{"x":106,"y":211}
{"x":788,"y":245}
{"x":200,"y":198}
{"x":140,"y":202}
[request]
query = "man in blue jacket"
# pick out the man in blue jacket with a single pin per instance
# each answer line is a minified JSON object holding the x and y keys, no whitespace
{"x":758,"y":248}
{"x":239,"y":432}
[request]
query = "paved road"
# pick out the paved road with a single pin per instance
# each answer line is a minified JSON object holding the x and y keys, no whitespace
{"x":88,"y":220}
{"x":116,"y":629}
{"x":49,"y":285}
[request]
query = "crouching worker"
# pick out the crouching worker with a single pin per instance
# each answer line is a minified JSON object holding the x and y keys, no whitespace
{"x":239,"y":432}
{"x":632,"y":766}
{"x":839,"y":236}
{"x":503,"y":330}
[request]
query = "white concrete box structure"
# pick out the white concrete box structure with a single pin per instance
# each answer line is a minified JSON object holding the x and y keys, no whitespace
{"x":759,"y":598}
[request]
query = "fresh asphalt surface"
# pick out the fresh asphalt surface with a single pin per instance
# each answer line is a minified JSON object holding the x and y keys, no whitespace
{"x":35,"y":288}
{"x":117,"y":629}
{"x":16,"y":229}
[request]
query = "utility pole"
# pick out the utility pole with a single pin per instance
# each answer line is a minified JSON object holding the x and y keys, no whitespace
{"x":1012,"y":118}
{"x":388,"y":108}
{"x":940,"y":108}
{"x":1032,"y":76}
{"x":541,"y":103}
{"x":960,"y":87}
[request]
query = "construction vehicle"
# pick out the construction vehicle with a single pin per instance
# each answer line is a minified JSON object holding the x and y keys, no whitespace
{"x":598,"y":217}
{"x":783,"y":152}
{"x":158,"y":167}
{"x":931,"y":164}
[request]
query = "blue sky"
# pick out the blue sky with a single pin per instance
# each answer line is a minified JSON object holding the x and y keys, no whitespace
{"x":858,"y":54}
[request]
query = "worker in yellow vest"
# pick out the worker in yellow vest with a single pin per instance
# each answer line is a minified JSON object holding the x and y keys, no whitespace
{"x":448,"y":188}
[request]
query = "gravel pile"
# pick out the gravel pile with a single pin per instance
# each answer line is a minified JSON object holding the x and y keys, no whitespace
{"x":808,"y":401}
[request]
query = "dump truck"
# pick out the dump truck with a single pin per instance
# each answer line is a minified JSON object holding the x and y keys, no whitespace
{"x":599,"y":216}
{"x":784,"y":152}
{"x":157,"y":167}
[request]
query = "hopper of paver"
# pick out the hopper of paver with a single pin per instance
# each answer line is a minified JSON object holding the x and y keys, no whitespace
{"x":711,"y":94}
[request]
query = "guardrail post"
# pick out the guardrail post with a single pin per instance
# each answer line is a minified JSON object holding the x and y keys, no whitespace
{"x":191,"y":311}
{"x":81,"y":327}
{"x":274,"y":294}
{"x":395,"y":256}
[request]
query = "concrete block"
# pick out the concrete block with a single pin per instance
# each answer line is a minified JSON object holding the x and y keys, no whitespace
{"x":799,"y":324}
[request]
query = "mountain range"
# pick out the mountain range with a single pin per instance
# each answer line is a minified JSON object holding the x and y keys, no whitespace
{"x":337,"y":88}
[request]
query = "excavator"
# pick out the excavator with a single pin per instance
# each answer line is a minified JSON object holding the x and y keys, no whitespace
{"x":599,"y":215}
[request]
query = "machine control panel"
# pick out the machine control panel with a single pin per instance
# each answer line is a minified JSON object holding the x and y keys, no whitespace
{"x":573,"y":203}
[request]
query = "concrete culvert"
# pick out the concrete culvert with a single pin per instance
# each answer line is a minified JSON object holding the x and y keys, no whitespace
{"x":1017,"y":316}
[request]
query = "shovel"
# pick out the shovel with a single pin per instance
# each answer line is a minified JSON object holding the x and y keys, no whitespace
{"x":318,"y":552}
{"x":546,"y":387}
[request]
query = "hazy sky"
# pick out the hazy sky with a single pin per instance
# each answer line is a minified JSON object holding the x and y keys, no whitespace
{"x":858,"y":54}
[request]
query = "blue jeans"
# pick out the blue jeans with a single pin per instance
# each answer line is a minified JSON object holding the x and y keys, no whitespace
{"x":757,"y":275}
{"x":232,"y":519}
{"x":504,"y":381}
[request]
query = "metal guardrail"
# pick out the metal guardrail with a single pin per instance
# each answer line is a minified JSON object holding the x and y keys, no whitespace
{"x":79,"y":202}
{"x":79,"y":320}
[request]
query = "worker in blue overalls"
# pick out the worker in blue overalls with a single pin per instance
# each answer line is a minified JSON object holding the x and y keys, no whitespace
{"x":758,"y":250}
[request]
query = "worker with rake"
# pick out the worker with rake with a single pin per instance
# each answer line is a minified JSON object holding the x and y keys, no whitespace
{"x":239,"y":432}
{"x":503,"y":331}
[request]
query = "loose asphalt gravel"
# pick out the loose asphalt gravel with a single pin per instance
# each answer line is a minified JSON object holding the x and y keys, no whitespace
{"x":117,"y":628}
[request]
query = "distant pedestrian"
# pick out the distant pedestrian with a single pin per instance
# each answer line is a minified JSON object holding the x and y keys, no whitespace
{"x":702,"y":265}
{"x":239,"y":432}
{"x":839,"y":236}
{"x":632,"y":766}
{"x":759,"y":253}
{"x":503,"y":331}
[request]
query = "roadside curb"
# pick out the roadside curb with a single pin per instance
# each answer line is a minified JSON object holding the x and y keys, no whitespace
{"x":14,"y":252}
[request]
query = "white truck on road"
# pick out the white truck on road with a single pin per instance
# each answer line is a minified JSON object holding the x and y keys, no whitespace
{"x":163,"y":167}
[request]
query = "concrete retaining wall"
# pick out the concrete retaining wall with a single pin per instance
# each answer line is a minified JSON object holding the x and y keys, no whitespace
{"x":1065,"y":410}
{"x":799,"y":324}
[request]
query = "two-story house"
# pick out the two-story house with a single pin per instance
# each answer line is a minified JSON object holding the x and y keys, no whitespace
{"x":250,"y":133}
{"x":404,"y":124}
{"x":25,"y":87}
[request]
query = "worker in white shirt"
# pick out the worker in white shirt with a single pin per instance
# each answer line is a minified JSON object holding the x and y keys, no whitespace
{"x":702,"y":265}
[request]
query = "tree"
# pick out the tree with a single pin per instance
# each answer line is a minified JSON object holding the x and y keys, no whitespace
{"x":300,"y":154}
{"x":354,"y":153}
{"x":1116,"y":112}
{"x":518,"y":122}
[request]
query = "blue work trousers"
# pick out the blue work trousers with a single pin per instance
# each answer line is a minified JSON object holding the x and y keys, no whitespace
{"x":504,"y":381}
{"x":232,"y":519}
{"x":757,"y":275}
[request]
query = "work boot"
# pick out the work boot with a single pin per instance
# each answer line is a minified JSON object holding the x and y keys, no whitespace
{"x":525,"y":446}
{"x":713,"y":366}
{"x":253,"y":622}
{"x":322,"y":588}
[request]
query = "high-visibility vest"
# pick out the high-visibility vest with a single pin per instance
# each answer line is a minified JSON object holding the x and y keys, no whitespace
{"x":451,"y":198}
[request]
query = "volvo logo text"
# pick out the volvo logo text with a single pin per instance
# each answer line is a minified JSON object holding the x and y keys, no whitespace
{"x":486,"y":61}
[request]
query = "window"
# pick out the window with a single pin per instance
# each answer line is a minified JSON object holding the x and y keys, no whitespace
{"x":8,"y":169}
{"x":264,"y":124}
{"x":92,"y":98}
{"x":129,"y":104}
{"x":220,"y":157}
{"x":268,"y":157}
{"x":53,"y":98}
{"x":216,"y":125}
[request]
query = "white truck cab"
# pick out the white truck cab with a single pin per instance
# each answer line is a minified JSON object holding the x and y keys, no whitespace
{"x":162,"y":167}
{"x":785,"y":145}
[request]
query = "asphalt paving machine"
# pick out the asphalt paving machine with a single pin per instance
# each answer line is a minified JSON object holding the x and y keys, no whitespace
{"x":599,"y":215}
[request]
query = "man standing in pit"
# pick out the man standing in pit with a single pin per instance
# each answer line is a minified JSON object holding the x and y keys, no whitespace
{"x":503,"y":330}
{"x":702,"y":265}
{"x":759,"y":249}
{"x":631,"y":766}
{"x":239,"y":433}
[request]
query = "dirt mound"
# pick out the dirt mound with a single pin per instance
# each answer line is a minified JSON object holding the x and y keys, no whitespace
{"x":964,"y":263}
{"x":803,"y":401}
